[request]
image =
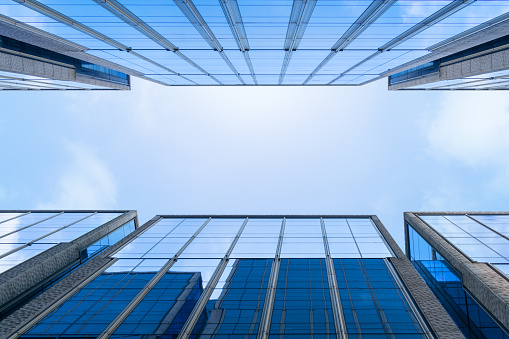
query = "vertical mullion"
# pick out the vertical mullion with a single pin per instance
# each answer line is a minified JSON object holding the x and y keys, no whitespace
{"x":409,"y":299}
{"x":126,"y":311}
{"x":337,"y":309}
{"x":268,"y":306}
{"x":193,"y":318}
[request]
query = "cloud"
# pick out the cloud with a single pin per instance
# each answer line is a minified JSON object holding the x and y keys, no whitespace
{"x":86,"y":183}
{"x":471,"y":129}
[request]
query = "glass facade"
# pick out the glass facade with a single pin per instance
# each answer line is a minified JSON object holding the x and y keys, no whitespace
{"x":229,"y":277}
{"x":27,"y":235}
{"x":483,"y":238}
{"x":257,"y":42}
{"x":445,"y":282}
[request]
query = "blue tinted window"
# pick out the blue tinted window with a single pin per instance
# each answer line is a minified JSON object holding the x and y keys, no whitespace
{"x":446,"y":284}
{"x":372,"y":302}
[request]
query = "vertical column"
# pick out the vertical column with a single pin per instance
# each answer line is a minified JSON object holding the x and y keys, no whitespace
{"x":205,"y":296}
{"x":337,"y":309}
{"x":268,"y":306}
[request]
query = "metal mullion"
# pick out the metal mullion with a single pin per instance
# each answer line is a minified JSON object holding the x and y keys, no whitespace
{"x":22,"y":214}
{"x":55,"y":15}
{"x":44,"y":236}
{"x":137,"y":23}
{"x":270,"y":295}
{"x":193,"y":15}
{"x":299,"y":18}
{"x":35,"y":223}
{"x":499,"y":19}
{"x":126,"y":311}
{"x":368,"y":17}
{"x":337,"y":308}
{"x":409,"y":299}
{"x":38,"y":31}
{"x":60,"y":301}
{"x":434,"y":18}
{"x":27,"y":84}
{"x":193,"y":318}
{"x":232,"y":13}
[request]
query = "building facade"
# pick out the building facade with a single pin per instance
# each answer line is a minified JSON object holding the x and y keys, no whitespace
{"x":419,"y":44}
{"x":40,"y":248}
{"x":464,"y":259}
{"x":241,"y":276}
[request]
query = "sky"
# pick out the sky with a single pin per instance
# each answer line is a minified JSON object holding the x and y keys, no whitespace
{"x":256,"y":150}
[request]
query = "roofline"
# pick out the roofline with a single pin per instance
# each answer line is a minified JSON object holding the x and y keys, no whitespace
{"x":262,"y":216}
{"x":459,"y":213}
{"x":66,"y":211}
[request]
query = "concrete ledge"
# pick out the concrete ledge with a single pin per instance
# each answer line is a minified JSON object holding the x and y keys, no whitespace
{"x":486,"y":285}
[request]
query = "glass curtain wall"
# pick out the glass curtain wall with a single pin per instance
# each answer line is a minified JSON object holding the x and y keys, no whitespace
{"x":241,"y":276}
{"x":445,"y":281}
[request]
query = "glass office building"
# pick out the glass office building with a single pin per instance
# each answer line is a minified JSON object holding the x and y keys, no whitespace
{"x":419,"y":44}
{"x":40,"y":248}
{"x":241,"y":277}
{"x":464,"y":259}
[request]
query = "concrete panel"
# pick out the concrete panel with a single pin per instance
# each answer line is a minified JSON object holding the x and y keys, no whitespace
{"x":497,"y":61}
{"x":492,"y":32}
{"x":31,"y":37}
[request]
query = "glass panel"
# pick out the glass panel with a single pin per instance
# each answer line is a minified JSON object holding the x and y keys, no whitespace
{"x":221,"y":227}
{"x":446,"y":284}
{"x":80,"y":228}
{"x":162,"y":240}
{"x":236,"y":305}
{"x":204,"y":267}
{"x":373,"y":304}
{"x":258,"y":227}
{"x":6,"y":216}
{"x":207,"y":248}
{"x":43,"y":228}
{"x":21,"y":255}
{"x":302,"y":303}
{"x":303,"y":228}
{"x":470,"y":237}
{"x":255,"y":248}
{"x":302,"y":248}
{"x":88,"y":312}
{"x":27,"y":219}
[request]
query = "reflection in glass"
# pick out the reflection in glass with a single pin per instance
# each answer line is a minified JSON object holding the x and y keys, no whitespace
{"x":446,"y":284}
{"x":236,"y":305}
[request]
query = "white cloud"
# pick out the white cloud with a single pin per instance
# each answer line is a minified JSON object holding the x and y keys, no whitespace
{"x":86,"y":183}
{"x":472,"y":130}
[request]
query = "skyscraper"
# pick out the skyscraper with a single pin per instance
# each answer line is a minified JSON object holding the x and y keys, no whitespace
{"x":464,"y":259}
{"x":419,"y":44}
{"x":233,"y":276}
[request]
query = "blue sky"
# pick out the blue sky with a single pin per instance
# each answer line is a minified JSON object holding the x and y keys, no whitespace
{"x":266,"y":150}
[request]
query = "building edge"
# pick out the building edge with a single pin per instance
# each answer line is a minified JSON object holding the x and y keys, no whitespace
{"x":430,"y":308}
{"x":485,"y":284}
